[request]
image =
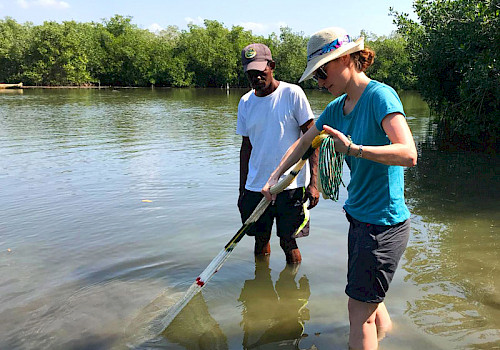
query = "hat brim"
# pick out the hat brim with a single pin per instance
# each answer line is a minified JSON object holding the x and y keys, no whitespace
{"x":256,"y":65}
{"x":318,"y":61}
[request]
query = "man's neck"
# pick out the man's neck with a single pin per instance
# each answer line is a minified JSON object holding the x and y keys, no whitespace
{"x":269,"y":90}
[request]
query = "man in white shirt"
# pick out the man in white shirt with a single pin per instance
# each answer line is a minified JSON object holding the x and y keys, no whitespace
{"x":271,"y":118}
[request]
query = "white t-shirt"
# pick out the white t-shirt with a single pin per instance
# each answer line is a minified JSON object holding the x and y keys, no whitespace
{"x":273,"y":124}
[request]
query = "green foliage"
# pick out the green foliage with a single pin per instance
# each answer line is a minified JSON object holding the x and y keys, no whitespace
{"x":205,"y":50}
{"x":392,"y":63}
{"x":127,"y":53}
{"x":14,"y":39}
{"x":165,"y":69}
{"x":54,"y":56}
{"x":117,"y":52}
{"x":290,"y":54}
{"x":455,"y":52}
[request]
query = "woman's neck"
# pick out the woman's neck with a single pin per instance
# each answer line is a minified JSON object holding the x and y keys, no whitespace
{"x":356,"y":86}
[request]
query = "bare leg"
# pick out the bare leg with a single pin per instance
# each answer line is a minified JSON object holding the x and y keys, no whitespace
{"x":262,"y":246}
{"x":383,"y":321}
{"x":363,"y":329}
{"x":292,"y":252}
{"x":293,"y":256}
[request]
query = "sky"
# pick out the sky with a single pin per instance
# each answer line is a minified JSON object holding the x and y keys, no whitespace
{"x":262,"y":17}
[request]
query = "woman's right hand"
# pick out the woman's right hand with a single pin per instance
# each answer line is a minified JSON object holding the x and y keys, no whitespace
{"x":266,"y":190}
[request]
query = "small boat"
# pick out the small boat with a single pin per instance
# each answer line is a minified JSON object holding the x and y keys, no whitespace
{"x":11,"y":86}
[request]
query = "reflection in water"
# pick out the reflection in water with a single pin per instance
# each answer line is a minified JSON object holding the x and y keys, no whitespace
{"x":12,"y":91}
{"x":453,"y":258}
{"x":274,"y":315}
{"x":195,"y":329}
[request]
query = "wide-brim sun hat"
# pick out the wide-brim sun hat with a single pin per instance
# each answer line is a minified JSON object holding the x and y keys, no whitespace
{"x":326,"y":45}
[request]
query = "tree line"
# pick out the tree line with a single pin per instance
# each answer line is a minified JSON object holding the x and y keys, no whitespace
{"x":119,"y":53}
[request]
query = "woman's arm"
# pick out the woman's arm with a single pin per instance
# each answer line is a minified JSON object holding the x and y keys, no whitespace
{"x":401,"y":152}
{"x":293,"y":154}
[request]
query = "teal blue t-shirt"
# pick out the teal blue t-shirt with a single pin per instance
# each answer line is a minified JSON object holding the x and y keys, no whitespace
{"x":376,"y":191}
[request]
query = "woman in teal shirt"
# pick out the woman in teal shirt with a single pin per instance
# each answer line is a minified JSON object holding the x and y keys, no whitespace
{"x":380,"y":145}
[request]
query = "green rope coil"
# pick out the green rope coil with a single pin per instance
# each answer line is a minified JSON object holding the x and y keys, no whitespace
{"x":330,"y":169}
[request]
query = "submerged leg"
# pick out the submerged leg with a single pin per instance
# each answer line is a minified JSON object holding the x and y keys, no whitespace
{"x":292,"y":252}
{"x":382,"y":321}
{"x":262,"y":245}
{"x":363,"y":330}
{"x":294,"y":257}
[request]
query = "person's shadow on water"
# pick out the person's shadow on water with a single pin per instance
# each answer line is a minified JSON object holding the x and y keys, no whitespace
{"x":274,"y":315}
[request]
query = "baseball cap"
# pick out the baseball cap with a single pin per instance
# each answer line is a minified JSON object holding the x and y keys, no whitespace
{"x":255,"y":57}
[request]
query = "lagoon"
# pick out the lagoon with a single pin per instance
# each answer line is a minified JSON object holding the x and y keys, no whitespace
{"x":111,"y":199}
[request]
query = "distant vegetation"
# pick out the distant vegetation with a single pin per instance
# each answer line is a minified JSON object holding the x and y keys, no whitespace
{"x":116,"y":52}
{"x":451,"y":56}
{"x":454,"y":53}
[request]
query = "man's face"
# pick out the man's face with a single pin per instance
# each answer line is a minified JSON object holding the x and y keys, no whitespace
{"x":260,"y":80}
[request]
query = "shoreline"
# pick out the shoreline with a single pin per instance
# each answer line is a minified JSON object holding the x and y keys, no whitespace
{"x":68,"y":87}
{"x":114,"y":87}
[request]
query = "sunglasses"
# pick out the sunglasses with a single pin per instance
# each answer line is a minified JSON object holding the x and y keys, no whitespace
{"x":320,"y":73}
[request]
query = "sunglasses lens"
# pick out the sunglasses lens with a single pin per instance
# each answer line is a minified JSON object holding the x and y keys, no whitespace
{"x":320,"y":74}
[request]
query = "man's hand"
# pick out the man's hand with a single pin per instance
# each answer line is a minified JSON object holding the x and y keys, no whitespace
{"x":240,"y":198}
{"x":312,"y":194}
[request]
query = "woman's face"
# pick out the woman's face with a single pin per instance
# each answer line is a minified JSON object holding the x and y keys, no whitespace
{"x":337,"y":76}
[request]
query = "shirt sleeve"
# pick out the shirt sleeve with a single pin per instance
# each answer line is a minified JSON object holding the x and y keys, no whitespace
{"x":303,"y":111}
{"x":241,"y":128}
{"x":386,"y":101}
{"x":322,"y":119}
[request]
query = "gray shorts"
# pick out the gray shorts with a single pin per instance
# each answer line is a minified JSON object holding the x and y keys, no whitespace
{"x":374,"y":253}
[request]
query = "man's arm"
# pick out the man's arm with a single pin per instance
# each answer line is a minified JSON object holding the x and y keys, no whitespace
{"x":245,"y":151}
{"x":312,"y":192}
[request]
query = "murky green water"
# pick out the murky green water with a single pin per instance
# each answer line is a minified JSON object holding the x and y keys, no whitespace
{"x":112,"y":202}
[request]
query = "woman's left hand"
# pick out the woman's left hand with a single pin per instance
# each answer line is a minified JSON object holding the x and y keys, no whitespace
{"x":341,"y":141}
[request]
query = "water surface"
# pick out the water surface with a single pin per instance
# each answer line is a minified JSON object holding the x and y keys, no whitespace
{"x":112,"y":202}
